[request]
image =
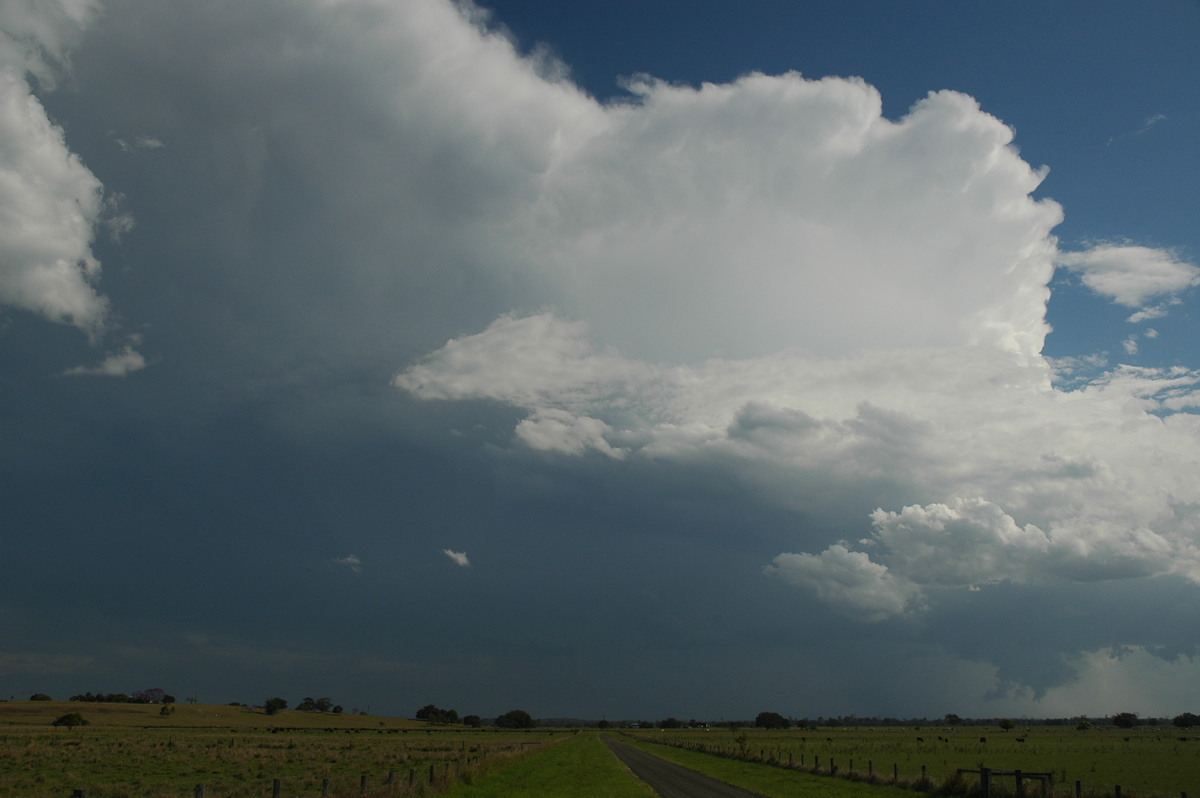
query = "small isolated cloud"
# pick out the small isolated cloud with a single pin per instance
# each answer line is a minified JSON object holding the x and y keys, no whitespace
{"x":1131,"y":345}
{"x":1150,"y":122}
{"x":351,"y":562}
{"x":140,"y":143}
{"x":1131,"y":275}
{"x":459,"y":558}
{"x":121,"y":364}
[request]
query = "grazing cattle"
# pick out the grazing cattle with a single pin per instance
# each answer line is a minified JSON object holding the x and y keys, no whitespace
{"x":920,"y":739}
{"x":1020,"y":739}
{"x":983,"y":739}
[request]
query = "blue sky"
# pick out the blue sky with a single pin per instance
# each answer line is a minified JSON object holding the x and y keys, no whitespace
{"x":670,"y":359}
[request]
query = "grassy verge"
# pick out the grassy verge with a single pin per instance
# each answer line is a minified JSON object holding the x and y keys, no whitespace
{"x":768,"y":780}
{"x":581,"y":767}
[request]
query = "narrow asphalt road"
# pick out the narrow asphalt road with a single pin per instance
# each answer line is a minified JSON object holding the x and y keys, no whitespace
{"x":670,"y":780}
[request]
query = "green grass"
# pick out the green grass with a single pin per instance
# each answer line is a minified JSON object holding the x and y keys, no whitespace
{"x":128,"y":755}
{"x":770,"y":781}
{"x":1143,"y":761}
{"x":581,"y":767}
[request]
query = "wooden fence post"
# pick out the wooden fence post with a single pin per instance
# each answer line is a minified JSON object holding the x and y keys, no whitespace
{"x":324,"y":788}
{"x":199,"y":791}
{"x":1078,"y":789}
{"x":412,"y":777}
{"x":895,"y":772}
{"x":870,"y":769}
{"x":276,"y":786}
{"x":362,"y":784}
{"x":985,"y":781}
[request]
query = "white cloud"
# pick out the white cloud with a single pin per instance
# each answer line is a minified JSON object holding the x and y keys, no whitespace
{"x":139,"y":143}
{"x":349,"y":561}
{"x":849,"y":582}
{"x":553,"y":430}
{"x":51,"y":202}
{"x":459,"y":558}
{"x":1131,"y":275}
{"x":121,"y":364}
{"x":1032,"y":483}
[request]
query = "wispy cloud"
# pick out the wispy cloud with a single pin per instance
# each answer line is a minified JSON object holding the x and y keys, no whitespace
{"x":459,"y":558}
{"x":138,"y":144}
{"x":350,"y":561}
{"x":120,"y":364}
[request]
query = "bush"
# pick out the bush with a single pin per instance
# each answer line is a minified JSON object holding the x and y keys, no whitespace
{"x":515,"y":719}
{"x":70,"y":720}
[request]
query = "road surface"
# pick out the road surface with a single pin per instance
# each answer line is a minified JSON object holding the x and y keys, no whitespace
{"x":670,"y":780}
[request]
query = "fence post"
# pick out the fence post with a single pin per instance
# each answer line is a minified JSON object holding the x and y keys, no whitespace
{"x":431,"y":774}
{"x":895,"y":772}
{"x":1020,"y":783}
{"x":985,"y":781}
{"x":324,"y":788}
{"x":276,"y":786}
{"x":362,"y":784}
{"x":1117,"y":791}
{"x":870,"y":768}
{"x":922,"y":774}
{"x":79,"y":794}
{"x":199,"y":791}
{"x":412,"y":777}
{"x":1078,"y":789}
{"x":832,"y":767}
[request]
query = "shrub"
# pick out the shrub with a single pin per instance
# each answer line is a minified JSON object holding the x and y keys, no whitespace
{"x":515,"y":719}
{"x":70,"y":720}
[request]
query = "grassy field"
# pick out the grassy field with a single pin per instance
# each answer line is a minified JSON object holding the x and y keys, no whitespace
{"x":771,"y":782}
{"x":129,"y":751}
{"x":1145,"y":760}
{"x":581,"y":767}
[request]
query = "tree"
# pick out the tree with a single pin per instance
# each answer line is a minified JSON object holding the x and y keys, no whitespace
{"x":952,"y":719}
{"x":40,"y":697}
{"x":1006,"y":724}
{"x":1186,"y":720}
{"x":474,"y":721}
{"x":70,"y":720}
{"x":515,"y":719}
{"x":771,"y":720}
{"x":1125,"y":720}
{"x":154,"y":695}
{"x":433,"y":714}
{"x":670,"y":723}
{"x":274,"y":706}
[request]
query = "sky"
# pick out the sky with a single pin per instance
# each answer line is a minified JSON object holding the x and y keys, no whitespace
{"x":600,"y":360}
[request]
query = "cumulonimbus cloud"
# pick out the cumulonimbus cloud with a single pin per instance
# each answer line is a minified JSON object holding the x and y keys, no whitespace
{"x":52,"y":202}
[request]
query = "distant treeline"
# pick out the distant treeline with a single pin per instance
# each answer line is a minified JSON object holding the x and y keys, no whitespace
{"x":151,"y":696}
